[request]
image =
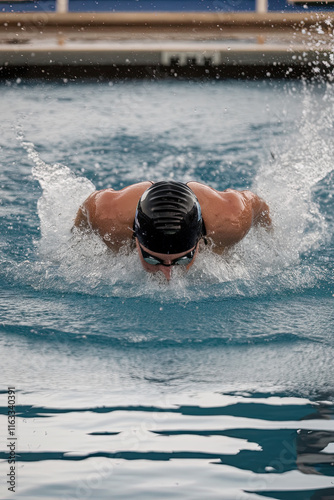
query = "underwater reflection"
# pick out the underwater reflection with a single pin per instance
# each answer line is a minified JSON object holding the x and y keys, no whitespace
{"x":311,"y":445}
{"x":327,"y":494}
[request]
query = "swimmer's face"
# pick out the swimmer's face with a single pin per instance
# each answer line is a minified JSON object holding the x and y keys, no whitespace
{"x":168,"y":261}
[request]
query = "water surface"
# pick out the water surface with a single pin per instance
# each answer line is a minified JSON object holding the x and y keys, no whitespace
{"x":218,"y":385}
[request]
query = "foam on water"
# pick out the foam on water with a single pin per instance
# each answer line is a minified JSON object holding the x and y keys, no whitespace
{"x":262,"y":263}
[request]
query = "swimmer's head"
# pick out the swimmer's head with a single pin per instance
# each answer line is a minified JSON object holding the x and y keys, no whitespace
{"x":168,"y":226}
{"x":168,"y":218}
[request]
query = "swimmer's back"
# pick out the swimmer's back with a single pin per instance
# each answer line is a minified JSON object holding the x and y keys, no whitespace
{"x":228,"y":215}
{"x":111,"y":213}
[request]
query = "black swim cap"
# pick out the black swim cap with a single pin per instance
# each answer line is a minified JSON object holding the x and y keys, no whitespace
{"x":168,"y":218}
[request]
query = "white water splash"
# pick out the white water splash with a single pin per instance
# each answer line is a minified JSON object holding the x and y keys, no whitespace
{"x":63,"y":193}
{"x":288,"y":182}
{"x":262,"y":263}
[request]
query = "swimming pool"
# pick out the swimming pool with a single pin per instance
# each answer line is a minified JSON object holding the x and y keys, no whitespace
{"x":218,"y":385}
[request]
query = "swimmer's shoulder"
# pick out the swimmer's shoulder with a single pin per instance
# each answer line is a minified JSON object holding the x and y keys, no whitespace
{"x":223,"y":212}
{"x":110,"y":207}
{"x":108,"y":202}
{"x":111,"y":213}
{"x":209,"y":198}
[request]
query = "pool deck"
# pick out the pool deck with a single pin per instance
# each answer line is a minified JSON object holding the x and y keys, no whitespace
{"x":174,"y":44}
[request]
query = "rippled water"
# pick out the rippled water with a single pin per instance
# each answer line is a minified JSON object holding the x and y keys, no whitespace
{"x":218,"y":385}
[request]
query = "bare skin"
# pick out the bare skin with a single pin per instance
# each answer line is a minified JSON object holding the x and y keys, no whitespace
{"x":228,"y":216}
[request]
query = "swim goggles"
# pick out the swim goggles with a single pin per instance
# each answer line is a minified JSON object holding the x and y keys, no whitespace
{"x":155,"y":261}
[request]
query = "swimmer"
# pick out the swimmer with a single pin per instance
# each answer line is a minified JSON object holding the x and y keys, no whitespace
{"x":169,"y":221}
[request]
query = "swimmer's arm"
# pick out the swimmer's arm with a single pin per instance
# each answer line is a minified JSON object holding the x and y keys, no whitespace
{"x":260,"y":210}
{"x":81,"y":221}
{"x":86,"y":213}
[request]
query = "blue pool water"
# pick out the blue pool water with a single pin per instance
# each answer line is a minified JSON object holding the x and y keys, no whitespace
{"x":218,"y":385}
